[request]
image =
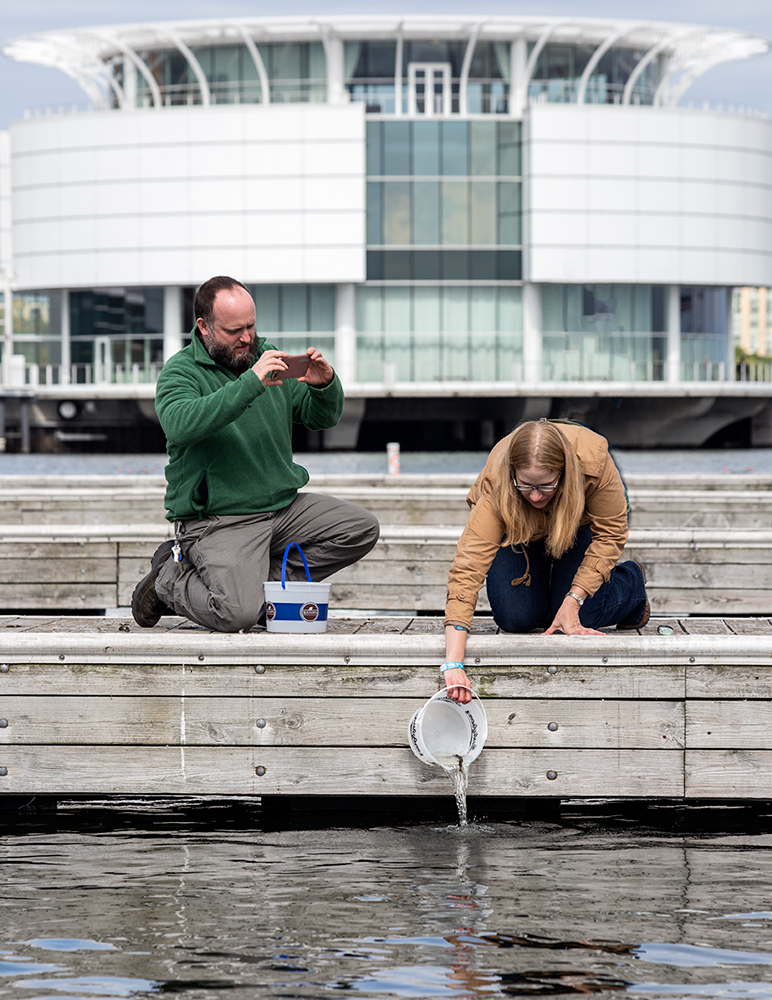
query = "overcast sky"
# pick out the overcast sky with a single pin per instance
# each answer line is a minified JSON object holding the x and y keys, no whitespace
{"x":27,"y":86}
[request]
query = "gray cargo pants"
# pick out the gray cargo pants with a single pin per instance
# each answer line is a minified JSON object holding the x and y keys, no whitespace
{"x":226,"y":560}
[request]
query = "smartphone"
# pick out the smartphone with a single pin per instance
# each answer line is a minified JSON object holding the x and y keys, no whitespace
{"x":297,"y":365}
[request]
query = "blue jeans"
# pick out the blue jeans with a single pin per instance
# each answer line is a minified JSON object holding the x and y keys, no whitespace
{"x":622,"y":600}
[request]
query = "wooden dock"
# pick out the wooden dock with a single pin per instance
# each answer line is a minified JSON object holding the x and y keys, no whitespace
{"x":97,"y":706}
{"x":81,"y":544}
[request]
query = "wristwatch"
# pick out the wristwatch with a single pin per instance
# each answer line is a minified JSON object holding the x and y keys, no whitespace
{"x":579,"y":600}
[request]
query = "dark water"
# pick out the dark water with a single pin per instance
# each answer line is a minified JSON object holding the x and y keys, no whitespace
{"x":718,"y":462}
{"x":138,"y":901}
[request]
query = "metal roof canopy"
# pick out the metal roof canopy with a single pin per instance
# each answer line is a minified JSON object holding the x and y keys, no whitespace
{"x":84,"y":53}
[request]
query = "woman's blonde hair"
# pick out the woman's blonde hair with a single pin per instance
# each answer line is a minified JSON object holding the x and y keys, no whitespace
{"x":540,"y":444}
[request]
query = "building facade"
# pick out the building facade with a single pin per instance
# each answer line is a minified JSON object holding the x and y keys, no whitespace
{"x":476,"y":219}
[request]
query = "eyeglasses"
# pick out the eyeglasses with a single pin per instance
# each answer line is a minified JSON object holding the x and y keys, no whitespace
{"x":537,"y":489}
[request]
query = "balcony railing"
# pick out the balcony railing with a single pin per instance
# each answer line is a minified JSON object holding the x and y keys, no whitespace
{"x":429,"y":366}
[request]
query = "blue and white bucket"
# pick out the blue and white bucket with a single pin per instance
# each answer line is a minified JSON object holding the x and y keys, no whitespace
{"x":296,"y":606}
{"x":442,"y":731}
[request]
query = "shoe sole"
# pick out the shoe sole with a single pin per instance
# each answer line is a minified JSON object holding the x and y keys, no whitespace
{"x":160,"y":556}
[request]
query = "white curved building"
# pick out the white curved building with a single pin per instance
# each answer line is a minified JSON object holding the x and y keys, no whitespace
{"x":475,"y":218}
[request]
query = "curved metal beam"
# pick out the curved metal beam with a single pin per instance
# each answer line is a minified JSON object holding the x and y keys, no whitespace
{"x":257,"y":59}
{"x":537,"y":50}
{"x":191,"y":60}
{"x":687,"y":79}
{"x":398,"y":73}
{"x":596,"y":57}
{"x":142,"y":66}
{"x":652,"y":54}
{"x":463,"y":82}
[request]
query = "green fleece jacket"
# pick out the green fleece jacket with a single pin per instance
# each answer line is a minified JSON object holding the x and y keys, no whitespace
{"x":229,"y":437}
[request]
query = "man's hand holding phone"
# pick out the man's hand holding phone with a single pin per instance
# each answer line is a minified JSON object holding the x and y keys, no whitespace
{"x":275,"y":367}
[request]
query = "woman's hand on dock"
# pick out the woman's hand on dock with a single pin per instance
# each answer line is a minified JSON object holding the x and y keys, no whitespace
{"x":459,"y":688}
{"x":567,"y":620}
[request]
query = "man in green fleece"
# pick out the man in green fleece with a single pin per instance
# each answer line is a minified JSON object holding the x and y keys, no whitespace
{"x":232,"y":484}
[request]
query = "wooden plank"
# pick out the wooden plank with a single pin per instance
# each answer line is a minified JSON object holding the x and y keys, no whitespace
{"x":88,"y":596}
{"x":704,"y":602}
{"x":728,"y":774}
{"x":738,"y":725}
{"x":224,"y":770}
{"x":729,"y":681}
{"x":605,"y":724}
{"x":60,"y":567}
{"x":750,"y":626}
{"x":276,"y":680}
{"x":325,"y":722}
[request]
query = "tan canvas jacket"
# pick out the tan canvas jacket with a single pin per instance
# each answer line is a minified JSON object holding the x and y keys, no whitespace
{"x":605,"y":510}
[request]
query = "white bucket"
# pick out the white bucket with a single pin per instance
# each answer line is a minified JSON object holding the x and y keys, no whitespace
{"x":296,"y":606}
{"x":443,"y":730}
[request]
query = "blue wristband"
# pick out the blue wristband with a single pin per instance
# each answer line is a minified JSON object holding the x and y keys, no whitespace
{"x":451,"y":665}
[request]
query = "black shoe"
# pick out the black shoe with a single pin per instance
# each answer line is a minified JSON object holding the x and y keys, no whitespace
{"x":146,"y":606}
{"x":644,"y":616}
{"x":623,"y":627}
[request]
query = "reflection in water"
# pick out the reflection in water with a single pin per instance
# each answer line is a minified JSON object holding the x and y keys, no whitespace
{"x":125,"y":903}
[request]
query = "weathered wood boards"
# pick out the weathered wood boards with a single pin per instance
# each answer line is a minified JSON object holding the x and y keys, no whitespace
{"x":731,"y":501}
{"x":706,"y":549}
{"x":73,"y":567}
{"x":98,"y":706}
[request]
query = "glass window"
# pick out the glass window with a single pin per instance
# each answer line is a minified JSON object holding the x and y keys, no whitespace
{"x":703,"y":310}
{"x":294,"y":308}
{"x":374,"y":213}
{"x":116,"y":312}
{"x":420,"y":333}
{"x":373,"y":134}
{"x":396,"y":149}
{"x":426,"y":212}
{"x":482,"y":149}
{"x":396,"y":212}
{"x":397,"y":265}
{"x":454,"y":199}
{"x":397,"y":311}
{"x":426,"y":148}
{"x":604,"y":332}
{"x":455,"y":265}
{"x":38,"y":313}
{"x":427,"y":265}
{"x":370,"y":60}
{"x":426,"y":50}
{"x":454,"y":148}
{"x":483,"y":215}
{"x":508,"y":149}
{"x":321,"y":307}
{"x":427,"y":312}
{"x":267,"y":309}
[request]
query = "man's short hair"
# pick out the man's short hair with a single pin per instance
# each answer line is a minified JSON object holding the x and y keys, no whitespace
{"x":203,"y":304}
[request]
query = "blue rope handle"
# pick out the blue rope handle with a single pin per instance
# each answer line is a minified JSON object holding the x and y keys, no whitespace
{"x":284,"y":564}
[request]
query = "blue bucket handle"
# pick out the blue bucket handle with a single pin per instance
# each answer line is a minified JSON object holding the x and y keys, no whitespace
{"x":284,"y":565}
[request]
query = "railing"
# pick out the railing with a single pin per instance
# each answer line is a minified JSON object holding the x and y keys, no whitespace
{"x":754,"y":371}
{"x":378,"y":95}
{"x":435,"y":365}
{"x":240,"y":92}
{"x":33,"y":376}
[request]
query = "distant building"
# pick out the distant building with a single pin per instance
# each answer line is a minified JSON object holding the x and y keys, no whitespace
{"x":477,"y":218}
{"x":752,"y":321}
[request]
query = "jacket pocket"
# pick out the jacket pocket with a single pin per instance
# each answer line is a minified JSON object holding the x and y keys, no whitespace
{"x":199,"y":499}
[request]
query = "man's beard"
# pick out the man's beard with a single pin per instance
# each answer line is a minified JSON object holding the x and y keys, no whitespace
{"x":227,"y":357}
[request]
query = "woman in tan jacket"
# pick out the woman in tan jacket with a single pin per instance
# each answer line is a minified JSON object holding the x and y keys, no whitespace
{"x":547,"y":524}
